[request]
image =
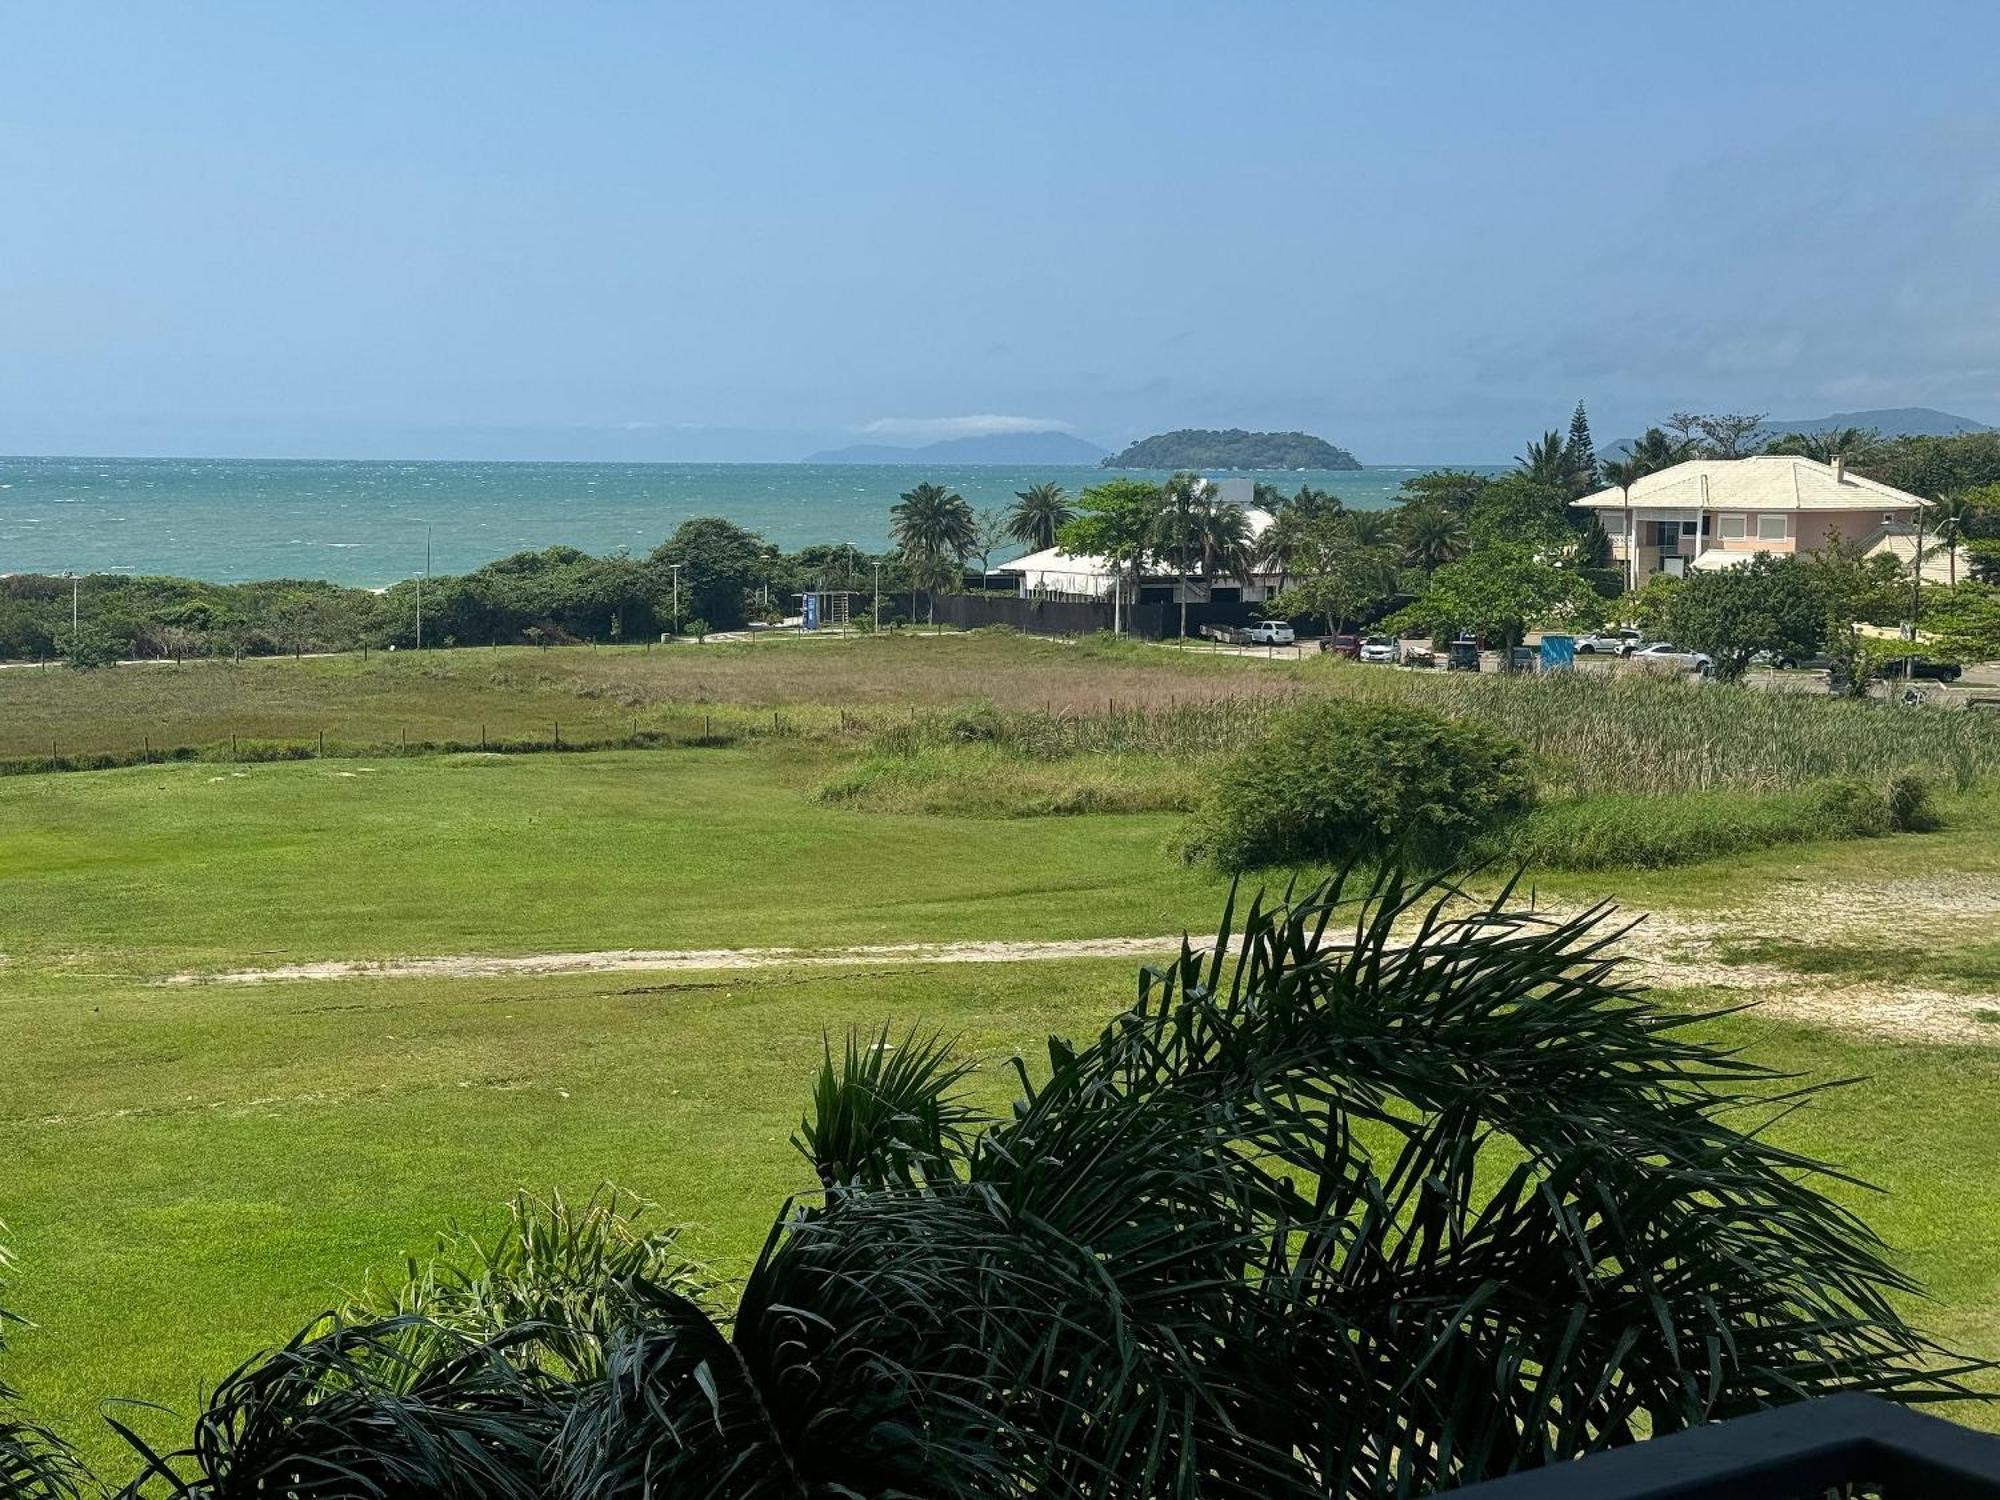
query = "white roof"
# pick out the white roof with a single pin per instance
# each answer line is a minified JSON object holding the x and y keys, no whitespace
{"x":1766,"y":482}
{"x":1054,"y":563}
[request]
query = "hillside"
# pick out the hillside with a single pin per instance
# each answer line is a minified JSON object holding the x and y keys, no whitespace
{"x":1200,"y":448}
{"x":995,"y":448}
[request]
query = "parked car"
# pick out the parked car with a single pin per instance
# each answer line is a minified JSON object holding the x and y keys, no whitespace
{"x":1419,"y":656}
{"x":1463,"y":656}
{"x":1927,"y":671}
{"x":1348,"y":646}
{"x":1666,"y":653}
{"x":1229,"y":635}
{"x":1270,"y":633}
{"x":1524,"y":658}
{"x":1815,"y":663}
{"x":1609,"y":643}
{"x":1381,"y":648}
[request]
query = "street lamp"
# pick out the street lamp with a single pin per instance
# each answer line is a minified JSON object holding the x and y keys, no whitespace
{"x":677,"y":596}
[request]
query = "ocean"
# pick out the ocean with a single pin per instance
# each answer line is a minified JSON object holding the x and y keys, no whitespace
{"x":363,"y":523}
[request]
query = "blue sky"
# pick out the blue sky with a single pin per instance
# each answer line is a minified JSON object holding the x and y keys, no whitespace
{"x":749,"y":230}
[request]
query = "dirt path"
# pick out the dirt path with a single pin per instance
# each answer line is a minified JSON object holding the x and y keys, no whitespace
{"x":669,"y":960}
{"x":1669,"y":951}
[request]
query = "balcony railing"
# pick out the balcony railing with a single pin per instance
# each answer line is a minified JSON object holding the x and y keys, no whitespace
{"x":1843,"y":1445}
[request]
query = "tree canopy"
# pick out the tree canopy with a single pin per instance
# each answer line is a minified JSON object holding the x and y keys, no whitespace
{"x":1732,"y":614}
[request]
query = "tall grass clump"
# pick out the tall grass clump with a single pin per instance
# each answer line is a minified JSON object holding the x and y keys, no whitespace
{"x":1642,"y":734}
{"x":1336,"y":782}
{"x":1626,"y":830}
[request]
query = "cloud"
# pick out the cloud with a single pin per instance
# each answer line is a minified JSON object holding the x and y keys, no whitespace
{"x":932,"y":428}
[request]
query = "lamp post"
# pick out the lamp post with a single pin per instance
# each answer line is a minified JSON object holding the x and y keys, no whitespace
{"x":878,"y":596}
{"x":677,"y":596}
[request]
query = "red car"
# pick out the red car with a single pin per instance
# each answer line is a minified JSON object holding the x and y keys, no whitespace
{"x":1348,"y":646}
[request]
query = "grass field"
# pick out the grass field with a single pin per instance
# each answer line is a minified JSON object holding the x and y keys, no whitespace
{"x":190,"y":1172}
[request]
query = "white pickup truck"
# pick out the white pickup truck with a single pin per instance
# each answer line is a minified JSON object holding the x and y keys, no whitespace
{"x":1263,"y":633}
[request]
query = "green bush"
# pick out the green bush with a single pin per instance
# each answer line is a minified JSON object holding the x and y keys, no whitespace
{"x":1910,"y":809}
{"x":1338,"y":781}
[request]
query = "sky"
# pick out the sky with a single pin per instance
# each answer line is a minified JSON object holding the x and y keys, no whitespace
{"x":747,"y":231}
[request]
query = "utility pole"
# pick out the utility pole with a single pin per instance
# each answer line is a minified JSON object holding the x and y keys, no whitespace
{"x":420,"y":585}
{"x":1916,"y":600}
{"x":878,"y":596}
{"x":74,"y":584}
{"x":677,"y":596}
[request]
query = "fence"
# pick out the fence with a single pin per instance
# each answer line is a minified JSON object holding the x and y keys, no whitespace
{"x":1041,"y":615}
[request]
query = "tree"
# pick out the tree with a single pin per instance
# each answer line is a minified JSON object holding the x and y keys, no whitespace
{"x":1178,"y":532}
{"x":1040,"y":511}
{"x":1431,"y":536}
{"x":1624,"y":473}
{"x":1453,"y":490}
{"x":1580,"y":455}
{"x":1519,"y":509}
{"x":1117,"y":521}
{"x":1546,"y":463}
{"x":720,"y":563}
{"x":989,"y":532}
{"x":1392,"y":1191}
{"x":1500,"y":591}
{"x":1717,"y":434}
{"x":1767,"y":604}
{"x":1851,"y":444}
{"x":935,"y":530}
{"x":1952,"y":517}
{"x":1342,"y":581}
{"x":1657,"y":450}
{"x":1854,"y":589}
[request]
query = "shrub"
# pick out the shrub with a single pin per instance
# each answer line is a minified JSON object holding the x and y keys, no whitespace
{"x":1338,"y":781}
{"x":1910,"y":809}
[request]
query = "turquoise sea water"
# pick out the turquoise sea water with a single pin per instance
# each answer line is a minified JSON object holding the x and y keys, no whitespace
{"x":363,"y":523}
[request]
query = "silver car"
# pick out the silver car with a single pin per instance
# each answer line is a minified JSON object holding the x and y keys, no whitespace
{"x":1381,"y":648}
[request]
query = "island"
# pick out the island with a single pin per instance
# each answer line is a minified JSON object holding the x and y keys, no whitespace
{"x":1198,"y":448}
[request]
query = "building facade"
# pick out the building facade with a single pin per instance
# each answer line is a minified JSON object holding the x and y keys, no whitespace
{"x":1715,"y":513}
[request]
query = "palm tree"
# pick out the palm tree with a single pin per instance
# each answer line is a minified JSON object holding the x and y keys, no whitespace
{"x":1370,"y":528}
{"x":1040,"y":511}
{"x":1548,"y":462}
{"x":1178,"y":530}
{"x":1655,"y":450}
{"x":1288,"y":538}
{"x":1850,"y":443}
{"x":1624,"y":473}
{"x":1952,"y":516}
{"x":1431,"y":536}
{"x":1409,"y":1191}
{"x":1228,"y":548}
{"x":936,"y":531}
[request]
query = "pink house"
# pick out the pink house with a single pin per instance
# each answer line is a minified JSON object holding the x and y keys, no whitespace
{"x":1717,"y":512}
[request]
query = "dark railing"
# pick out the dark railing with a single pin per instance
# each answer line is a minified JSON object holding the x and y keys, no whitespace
{"x":1843,"y":1445}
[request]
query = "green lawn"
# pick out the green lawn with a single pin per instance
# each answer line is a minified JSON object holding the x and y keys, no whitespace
{"x":194,"y":1172}
{"x":190,"y":1172}
{"x":152,"y":869}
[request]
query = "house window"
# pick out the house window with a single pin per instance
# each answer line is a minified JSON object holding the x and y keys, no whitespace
{"x":1888,"y":518}
{"x":1690,"y":528}
{"x":1734,"y":528}
{"x":1773,"y":528}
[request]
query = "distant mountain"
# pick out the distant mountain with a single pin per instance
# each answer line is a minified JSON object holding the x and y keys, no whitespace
{"x":1890,"y":421}
{"x":1198,"y":448}
{"x":1010,"y":448}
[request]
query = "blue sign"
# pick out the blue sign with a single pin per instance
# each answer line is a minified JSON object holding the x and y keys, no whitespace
{"x":809,"y":614}
{"x":1558,"y":653}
